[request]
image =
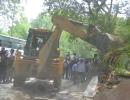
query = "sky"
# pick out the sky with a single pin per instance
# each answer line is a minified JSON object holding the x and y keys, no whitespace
{"x":32,"y":8}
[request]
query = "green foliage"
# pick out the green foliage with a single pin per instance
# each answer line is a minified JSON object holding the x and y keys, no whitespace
{"x":97,"y":12}
{"x":20,"y":29}
{"x":107,"y":23}
{"x":69,"y":8}
{"x":68,"y":43}
{"x":42,"y":22}
{"x":120,"y":60}
{"x":3,"y":32}
{"x":10,"y":10}
{"x":122,"y":71}
{"x":123,"y":29}
{"x":122,"y":65}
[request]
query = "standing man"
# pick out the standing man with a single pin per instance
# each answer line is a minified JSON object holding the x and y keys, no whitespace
{"x":74,"y":60}
{"x":81,"y":70}
{"x":10,"y":66}
{"x":75,"y":76}
{"x":68,"y":56}
{"x":3,"y":67}
{"x":67,"y":66}
{"x":74,"y":57}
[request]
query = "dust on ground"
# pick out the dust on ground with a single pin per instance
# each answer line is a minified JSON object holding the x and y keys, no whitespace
{"x":41,"y":90}
{"x":30,"y":91}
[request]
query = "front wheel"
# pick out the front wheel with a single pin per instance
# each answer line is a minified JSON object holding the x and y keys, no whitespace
{"x":57,"y":83}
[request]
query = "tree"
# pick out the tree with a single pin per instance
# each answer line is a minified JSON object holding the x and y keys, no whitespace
{"x":99,"y":12}
{"x":2,"y":31}
{"x":20,"y":28}
{"x":42,"y":22}
{"x":122,"y":29}
{"x":10,"y":11}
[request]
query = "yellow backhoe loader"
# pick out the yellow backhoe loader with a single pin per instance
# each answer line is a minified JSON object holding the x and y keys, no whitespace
{"x":41,"y":49}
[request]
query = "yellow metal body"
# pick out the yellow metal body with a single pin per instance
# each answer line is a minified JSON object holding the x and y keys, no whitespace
{"x":49,"y":65}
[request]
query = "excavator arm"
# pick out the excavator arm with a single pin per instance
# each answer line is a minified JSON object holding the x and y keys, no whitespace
{"x":103,"y":42}
{"x":75,"y":28}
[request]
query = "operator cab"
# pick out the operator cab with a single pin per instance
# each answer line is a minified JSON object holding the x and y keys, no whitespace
{"x":35,"y":41}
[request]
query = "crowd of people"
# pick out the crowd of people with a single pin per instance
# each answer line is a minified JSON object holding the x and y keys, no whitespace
{"x":76,"y":68}
{"x":6,"y":65}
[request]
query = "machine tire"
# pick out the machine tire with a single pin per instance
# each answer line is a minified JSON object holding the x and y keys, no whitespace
{"x":57,"y":83}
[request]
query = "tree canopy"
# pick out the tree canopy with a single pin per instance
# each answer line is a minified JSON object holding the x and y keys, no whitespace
{"x":10,"y":12}
{"x":42,"y":22}
{"x":100,"y":12}
{"x":20,"y":29}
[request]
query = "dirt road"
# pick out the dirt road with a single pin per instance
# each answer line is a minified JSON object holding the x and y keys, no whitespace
{"x":40,"y":90}
{"x":7,"y":92}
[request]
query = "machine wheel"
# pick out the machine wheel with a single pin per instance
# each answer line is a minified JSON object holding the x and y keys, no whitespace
{"x":57,"y":83}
